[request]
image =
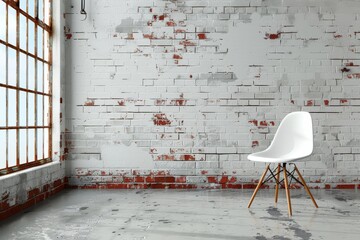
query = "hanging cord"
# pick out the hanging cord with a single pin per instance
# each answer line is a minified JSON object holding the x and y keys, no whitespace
{"x":82,"y":11}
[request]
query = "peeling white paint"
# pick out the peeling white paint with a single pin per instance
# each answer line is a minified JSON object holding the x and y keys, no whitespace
{"x":121,"y":156}
{"x":246,"y":46}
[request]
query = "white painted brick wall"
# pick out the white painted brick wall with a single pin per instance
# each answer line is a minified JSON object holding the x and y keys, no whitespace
{"x":195,"y":86}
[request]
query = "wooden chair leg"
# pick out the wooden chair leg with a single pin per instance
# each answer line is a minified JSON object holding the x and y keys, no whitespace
{"x":287,"y":190}
{"x":277,"y":183}
{"x":258,"y":186}
{"x":305,"y":186}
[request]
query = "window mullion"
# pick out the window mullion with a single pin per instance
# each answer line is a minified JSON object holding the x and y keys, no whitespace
{"x":27,"y":83}
{"x":49,"y":75}
{"x":35,"y":81}
{"x":17,"y":85}
{"x":7,"y":81}
{"x":43,"y":77}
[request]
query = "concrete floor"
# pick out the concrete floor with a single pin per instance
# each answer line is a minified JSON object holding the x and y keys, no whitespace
{"x":179,"y":214}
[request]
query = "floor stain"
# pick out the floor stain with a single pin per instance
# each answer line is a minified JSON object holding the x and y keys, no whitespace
{"x":279,"y":219}
{"x":302,"y":234}
{"x":260,"y":237}
{"x":274,"y":212}
{"x":342,"y":212}
{"x":150,"y":210}
{"x":277,"y":237}
{"x":340,"y":198}
{"x":164,"y":221}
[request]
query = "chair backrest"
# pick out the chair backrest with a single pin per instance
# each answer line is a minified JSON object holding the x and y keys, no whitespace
{"x":294,"y":136}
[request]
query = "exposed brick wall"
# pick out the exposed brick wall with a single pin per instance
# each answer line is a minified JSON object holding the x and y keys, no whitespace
{"x":178,"y":93}
{"x":24,"y":189}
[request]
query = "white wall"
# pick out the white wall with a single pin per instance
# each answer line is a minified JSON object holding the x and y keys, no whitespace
{"x":188,"y":89}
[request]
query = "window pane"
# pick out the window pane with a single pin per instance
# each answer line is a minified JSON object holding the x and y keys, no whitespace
{"x":40,"y":72}
{"x":2,"y":149}
{"x":11,"y":67}
{"x":22,"y":69}
{"x":47,"y":11}
{"x":22,"y":32}
{"x":11,"y":148}
{"x":31,"y":114}
{"x":46,"y":142}
{"x":2,"y":107}
{"x":31,"y":73}
{"x":40,"y":42}
{"x":41,"y":10}
{"x":22,"y":146}
{"x":22,"y":108}
{"x":23,"y":5}
{"x":12,"y":25}
{"x":2,"y":63}
{"x":2,"y":20}
{"x":31,"y":7}
{"x":46,"y":45}
{"x":46,"y":78}
{"x":39,"y":109}
{"x":11,"y":107}
{"x":40,"y":141}
{"x":46,"y":111}
{"x":31,"y":145}
{"x":31,"y":37}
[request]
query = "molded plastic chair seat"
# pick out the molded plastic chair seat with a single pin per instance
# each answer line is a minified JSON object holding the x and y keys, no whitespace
{"x":292,"y":141}
{"x":266,"y":156}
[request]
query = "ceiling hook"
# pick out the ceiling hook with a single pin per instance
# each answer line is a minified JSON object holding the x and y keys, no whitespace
{"x":82,"y":11}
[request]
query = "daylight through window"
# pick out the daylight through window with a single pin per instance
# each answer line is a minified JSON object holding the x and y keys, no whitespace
{"x":25,"y":84}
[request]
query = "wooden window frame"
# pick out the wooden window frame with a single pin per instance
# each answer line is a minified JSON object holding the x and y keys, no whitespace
{"x":43,"y":25}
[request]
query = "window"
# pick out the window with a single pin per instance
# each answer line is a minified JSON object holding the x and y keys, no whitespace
{"x":25,"y":84}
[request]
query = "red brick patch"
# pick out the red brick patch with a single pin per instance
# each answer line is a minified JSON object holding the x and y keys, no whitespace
{"x":345,"y":186}
{"x":171,"y":24}
{"x":89,"y":103}
{"x":212,"y":179}
{"x":160,"y":119}
{"x":309,"y":103}
{"x":187,"y":43}
{"x":177,"y":56}
{"x":202,"y":36}
{"x":272,"y":36}
{"x":255,"y":144}
{"x":34,"y":196}
{"x":353,"y":75}
{"x":187,"y":157}
{"x":344,"y":69}
{"x":121,"y":103}
{"x":255,"y":122}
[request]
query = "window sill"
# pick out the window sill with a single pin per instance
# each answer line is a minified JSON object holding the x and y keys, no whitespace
{"x":29,"y":170}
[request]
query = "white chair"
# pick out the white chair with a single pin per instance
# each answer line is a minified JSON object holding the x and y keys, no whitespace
{"x":293,"y":141}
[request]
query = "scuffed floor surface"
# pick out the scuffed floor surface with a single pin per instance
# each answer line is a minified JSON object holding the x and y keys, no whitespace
{"x":176,"y":214}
